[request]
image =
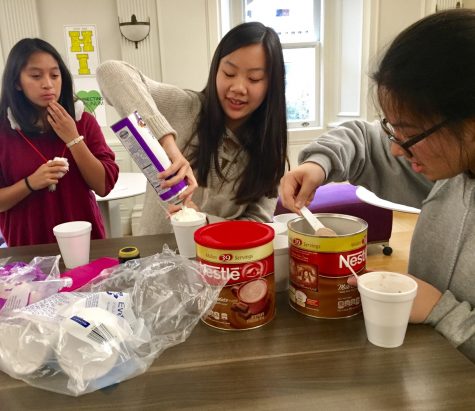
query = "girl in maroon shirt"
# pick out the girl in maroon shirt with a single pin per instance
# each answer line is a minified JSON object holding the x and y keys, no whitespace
{"x":39,"y":121}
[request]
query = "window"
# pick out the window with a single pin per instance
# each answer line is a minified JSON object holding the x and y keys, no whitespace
{"x":326,"y":47}
{"x":298,"y":25}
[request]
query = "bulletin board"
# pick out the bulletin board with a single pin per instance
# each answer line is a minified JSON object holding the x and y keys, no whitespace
{"x":83,"y":59}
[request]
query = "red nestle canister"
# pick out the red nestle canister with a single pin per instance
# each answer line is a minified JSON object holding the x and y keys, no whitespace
{"x":242,"y":253}
{"x":319,"y":266}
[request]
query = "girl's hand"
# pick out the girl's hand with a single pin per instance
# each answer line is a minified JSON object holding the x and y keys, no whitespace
{"x":298,"y":186}
{"x":180,"y":166}
{"x":63,"y":124}
{"x":46,"y":174}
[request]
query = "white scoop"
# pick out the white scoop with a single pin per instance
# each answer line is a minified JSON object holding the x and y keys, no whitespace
{"x":319,"y":228}
{"x":350,"y":268}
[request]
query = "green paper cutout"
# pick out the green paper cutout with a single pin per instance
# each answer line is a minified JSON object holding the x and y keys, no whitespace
{"x":91,"y":99}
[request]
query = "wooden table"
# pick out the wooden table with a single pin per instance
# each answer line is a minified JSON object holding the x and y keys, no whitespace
{"x":292,"y":363}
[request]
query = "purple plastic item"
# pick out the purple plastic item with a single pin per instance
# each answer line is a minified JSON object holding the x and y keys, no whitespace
{"x":7,"y":268}
{"x":20,"y":268}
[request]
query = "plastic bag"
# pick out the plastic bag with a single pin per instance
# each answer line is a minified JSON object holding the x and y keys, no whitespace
{"x":111,"y":330}
{"x":22,"y":284}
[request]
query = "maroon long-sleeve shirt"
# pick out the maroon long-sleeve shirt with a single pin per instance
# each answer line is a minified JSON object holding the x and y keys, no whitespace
{"x":31,"y":221}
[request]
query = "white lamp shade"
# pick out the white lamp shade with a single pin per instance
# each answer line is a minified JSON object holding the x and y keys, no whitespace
{"x":135,"y":32}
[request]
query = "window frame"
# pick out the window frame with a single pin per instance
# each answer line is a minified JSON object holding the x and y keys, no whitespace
{"x":233,"y":13}
{"x":346,"y":26}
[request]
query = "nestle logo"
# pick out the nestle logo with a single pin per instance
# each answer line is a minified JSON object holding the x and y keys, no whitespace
{"x":353,"y":259}
{"x":297,"y":241}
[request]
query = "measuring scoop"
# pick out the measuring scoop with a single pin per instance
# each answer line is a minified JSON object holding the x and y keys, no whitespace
{"x":319,"y":228}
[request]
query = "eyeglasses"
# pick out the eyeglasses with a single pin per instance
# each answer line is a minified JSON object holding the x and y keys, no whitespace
{"x":405,"y":145}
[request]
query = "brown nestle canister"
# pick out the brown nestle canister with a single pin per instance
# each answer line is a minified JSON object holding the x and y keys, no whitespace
{"x":128,"y":253}
{"x":318,"y":266}
{"x":242,"y":253}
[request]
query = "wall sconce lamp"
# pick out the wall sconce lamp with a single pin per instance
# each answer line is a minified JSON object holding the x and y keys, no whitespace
{"x":134,"y":30}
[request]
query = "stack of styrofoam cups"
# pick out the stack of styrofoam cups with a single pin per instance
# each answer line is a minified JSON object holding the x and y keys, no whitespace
{"x":284,"y":219}
{"x":279,"y":228}
{"x":281,"y":262}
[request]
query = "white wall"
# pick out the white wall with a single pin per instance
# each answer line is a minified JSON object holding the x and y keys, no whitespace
{"x":53,"y":15}
{"x":184,"y":43}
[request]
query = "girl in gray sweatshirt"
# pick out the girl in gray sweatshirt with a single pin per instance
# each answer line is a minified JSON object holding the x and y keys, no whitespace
{"x":421,"y":153}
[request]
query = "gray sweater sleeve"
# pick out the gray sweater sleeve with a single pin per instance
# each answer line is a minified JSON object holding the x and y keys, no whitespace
{"x":127,"y":89}
{"x":359,"y":152}
{"x":456,"y":321}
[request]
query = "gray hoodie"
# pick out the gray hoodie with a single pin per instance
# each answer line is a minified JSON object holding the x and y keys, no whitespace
{"x":443,"y":244}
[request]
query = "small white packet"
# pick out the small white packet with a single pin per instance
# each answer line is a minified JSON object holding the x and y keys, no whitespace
{"x":52,"y":187}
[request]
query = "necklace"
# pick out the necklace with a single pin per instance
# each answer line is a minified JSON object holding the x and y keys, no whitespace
{"x":34,"y":147}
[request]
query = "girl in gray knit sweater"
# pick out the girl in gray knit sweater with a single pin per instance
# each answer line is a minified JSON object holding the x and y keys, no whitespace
{"x":422,"y":153}
{"x":233,"y":133}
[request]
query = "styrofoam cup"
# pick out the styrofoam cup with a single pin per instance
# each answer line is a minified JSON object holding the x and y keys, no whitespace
{"x":24,"y":348}
{"x":285,"y":218}
{"x":184,"y":234}
{"x":387,"y":302}
{"x":89,"y":344}
{"x":279,"y":228}
{"x":281,"y":262}
{"x":74,"y":240}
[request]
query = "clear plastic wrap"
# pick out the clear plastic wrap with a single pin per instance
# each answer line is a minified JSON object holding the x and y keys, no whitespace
{"x":22,"y":284}
{"x":111,"y":330}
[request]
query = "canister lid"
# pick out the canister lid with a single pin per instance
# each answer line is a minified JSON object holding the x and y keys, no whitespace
{"x":234,"y":235}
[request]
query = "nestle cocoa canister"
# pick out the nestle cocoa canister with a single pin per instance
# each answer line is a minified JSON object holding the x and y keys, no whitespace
{"x":242,"y":253}
{"x":318,"y":273}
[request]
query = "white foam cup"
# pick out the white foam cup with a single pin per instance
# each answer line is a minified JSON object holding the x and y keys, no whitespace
{"x":74,"y":240}
{"x":387,"y":302}
{"x":89,"y":344}
{"x":279,"y":228}
{"x":285,"y":218}
{"x":281,"y":262}
{"x":24,"y":348}
{"x":184,"y":234}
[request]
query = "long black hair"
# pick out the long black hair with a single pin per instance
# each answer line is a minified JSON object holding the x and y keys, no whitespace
{"x":429,"y":69}
{"x":263,"y":135}
{"x":24,"y":111}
